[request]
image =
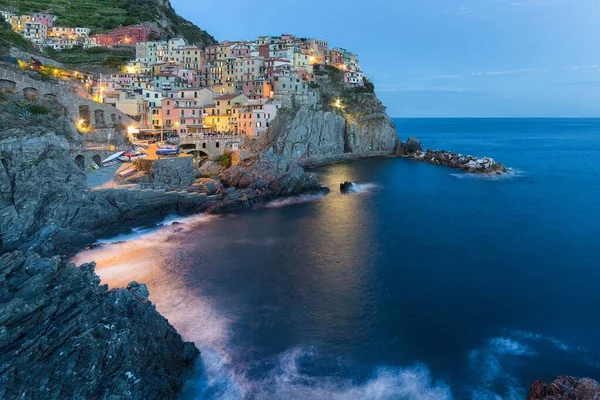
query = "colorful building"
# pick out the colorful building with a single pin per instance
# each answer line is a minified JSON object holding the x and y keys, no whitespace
{"x":127,"y":35}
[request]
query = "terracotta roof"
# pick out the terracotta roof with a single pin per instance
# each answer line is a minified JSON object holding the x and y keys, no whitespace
{"x":228,"y":96}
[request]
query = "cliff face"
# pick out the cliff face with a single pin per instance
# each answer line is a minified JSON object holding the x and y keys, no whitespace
{"x":343,"y":123}
{"x":62,"y":335}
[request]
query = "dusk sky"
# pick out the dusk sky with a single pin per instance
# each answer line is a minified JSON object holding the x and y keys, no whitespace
{"x":435,"y":58}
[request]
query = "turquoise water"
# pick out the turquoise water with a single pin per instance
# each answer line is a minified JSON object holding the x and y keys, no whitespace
{"x":428,"y":284}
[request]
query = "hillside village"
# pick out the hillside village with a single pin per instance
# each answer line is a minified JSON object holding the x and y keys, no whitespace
{"x":172,"y":88}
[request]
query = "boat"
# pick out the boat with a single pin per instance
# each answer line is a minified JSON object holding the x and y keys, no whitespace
{"x":131,"y":155}
{"x":167,"y":151}
{"x":112,"y":160}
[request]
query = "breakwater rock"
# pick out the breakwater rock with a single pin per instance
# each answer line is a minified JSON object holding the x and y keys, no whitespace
{"x":484,"y":165}
{"x":565,"y":388}
{"x":63,"y":335}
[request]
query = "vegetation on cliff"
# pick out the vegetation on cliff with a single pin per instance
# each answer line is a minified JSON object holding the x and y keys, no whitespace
{"x":104,"y":15}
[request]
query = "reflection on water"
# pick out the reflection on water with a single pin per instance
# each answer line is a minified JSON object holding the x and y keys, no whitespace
{"x":419,"y":286}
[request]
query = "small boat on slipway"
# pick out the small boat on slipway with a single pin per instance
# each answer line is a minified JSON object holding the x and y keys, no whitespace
{"x":113,"y":159}
{"x":168,"y":151}
{"x":131,"y":155}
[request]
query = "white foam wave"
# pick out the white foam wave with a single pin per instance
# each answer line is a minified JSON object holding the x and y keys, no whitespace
{"x":486,"y":367}
{"x":170,"y":224}
{"x":512,"y":173}
{"x":293,"y":200}
{"x":365,"y":187}
{"x":537,"y":337}
{"x":287,"y":381}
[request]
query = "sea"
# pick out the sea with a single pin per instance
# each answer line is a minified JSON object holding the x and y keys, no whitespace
{"x":427,"y":283}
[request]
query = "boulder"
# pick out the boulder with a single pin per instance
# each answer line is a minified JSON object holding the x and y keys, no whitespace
{"x":565,"y":388}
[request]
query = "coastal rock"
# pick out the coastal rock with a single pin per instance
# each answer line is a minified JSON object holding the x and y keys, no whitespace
{"x":346,"y":187}
{"x":63,"y":335}
{"x":320,"y":133}
{"x":207,"y":185}
{"x":484,"y":165}
{"x":307,"y":133}
{"x":275,"y":173}
{"x":411,"y":146}
{"x":565,"y":388}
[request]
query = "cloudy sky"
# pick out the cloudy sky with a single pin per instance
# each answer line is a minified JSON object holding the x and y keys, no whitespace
{"x":436,"y":58}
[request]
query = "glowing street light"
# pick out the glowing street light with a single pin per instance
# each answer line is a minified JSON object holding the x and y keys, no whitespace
{"x":338,"y":103}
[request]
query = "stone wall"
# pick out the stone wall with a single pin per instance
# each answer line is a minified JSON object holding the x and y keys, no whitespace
{"x":176,"y":172}
{"x":100,"y":116}
{"x":26,"y":55}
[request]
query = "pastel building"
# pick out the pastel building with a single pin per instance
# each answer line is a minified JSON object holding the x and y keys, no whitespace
{"x":180,"y":114}
{"x":127,"y":35}
{"x":222,"y":116}
{"x":45,"y":19}
{"x":35,"y":32}
{"x":353,"y":78}
{"x":254,"y":116}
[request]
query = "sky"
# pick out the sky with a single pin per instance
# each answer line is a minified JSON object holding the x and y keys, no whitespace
{"x":443,"y":58}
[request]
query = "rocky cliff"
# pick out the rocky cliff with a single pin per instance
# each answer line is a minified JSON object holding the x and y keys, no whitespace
{"x":340,"y":123}
{"x":64,"y":336}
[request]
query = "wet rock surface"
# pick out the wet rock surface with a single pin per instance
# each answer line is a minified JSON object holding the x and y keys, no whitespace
{"x":565,"y":388}
{"x":484,"y":165}
{"x":64,"y":336}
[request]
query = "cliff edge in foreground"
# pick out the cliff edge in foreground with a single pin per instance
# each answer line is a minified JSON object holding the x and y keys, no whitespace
{"x":81,"y":340}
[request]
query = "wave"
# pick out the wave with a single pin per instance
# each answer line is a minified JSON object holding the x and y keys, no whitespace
{"x":512,"y":173}
{"x":286,"y":380}
{"x":365,"y":187}
{"x":292,"y":200}
{"x":171,"y":224}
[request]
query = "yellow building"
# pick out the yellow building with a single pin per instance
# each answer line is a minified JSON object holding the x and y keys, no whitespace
{"x":222,"y":116}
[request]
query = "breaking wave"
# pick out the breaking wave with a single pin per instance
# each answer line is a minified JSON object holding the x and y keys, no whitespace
{"x":512,"y":173}
{"x":287,"y":381}
{"x":365,"y":187}
{"x":169,"y":225}
{"x":292,"y":200}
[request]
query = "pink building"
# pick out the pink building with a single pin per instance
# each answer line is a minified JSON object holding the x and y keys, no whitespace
{"x":181,"y":114}
{"x":254,"y":117}
{"x":127,"y":35}
{"x":45,"y":19}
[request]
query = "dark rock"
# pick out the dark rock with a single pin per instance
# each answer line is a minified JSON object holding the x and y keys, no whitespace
{"x":484,"y":165}
{"x":346,"y":187}
{"x":64,"y":336}
{"x":565,"y":388}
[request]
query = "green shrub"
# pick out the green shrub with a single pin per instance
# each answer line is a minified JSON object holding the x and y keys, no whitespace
{"x":225,"y":160}
{"x":38,"y":109}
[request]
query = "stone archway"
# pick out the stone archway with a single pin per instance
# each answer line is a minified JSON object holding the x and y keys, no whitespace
{"x":8,"y":85}
{"x":99,"y":118}
{"x":97,"y":159}
{"x":85,"y":114}
{"x":113,"y":119}
{"x":80,"y":161}
{"x":188,"y":146}
{"x":30,"y":93}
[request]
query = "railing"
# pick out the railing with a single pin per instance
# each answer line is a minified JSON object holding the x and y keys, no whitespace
{"x":196,"y":137}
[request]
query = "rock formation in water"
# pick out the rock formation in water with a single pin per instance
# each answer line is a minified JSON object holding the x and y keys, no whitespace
{"x":565,"y":388}
{"x":484,"y":165}
{"x":64,"y":336}
{"x":263,"y":177}
{"x":340,"y":123}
